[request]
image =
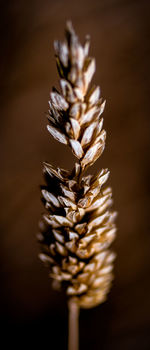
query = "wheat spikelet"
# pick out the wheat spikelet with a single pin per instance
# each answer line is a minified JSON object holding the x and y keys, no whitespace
{"x":78,"y":226}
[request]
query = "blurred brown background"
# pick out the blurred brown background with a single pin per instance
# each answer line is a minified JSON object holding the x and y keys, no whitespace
{"x":31,"y":313}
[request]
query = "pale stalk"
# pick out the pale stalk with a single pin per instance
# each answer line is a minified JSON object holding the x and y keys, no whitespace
{"x":73,"y":325}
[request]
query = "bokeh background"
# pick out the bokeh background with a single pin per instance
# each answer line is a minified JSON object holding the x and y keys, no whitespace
{"x":32,"y":313}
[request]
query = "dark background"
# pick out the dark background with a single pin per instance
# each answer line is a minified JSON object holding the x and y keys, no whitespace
{"x":31,"y":312}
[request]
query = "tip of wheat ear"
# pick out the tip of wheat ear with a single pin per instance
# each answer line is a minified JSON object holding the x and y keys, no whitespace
{"x":78,"y":226}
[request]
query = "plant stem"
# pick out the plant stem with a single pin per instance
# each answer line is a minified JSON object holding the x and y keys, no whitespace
{"x":73,"y":325}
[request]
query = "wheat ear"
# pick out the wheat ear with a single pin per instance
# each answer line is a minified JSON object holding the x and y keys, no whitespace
{"x":78,"y":226}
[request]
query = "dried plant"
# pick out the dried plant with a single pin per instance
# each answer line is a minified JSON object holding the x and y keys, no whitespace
{"x":78,"y":228}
